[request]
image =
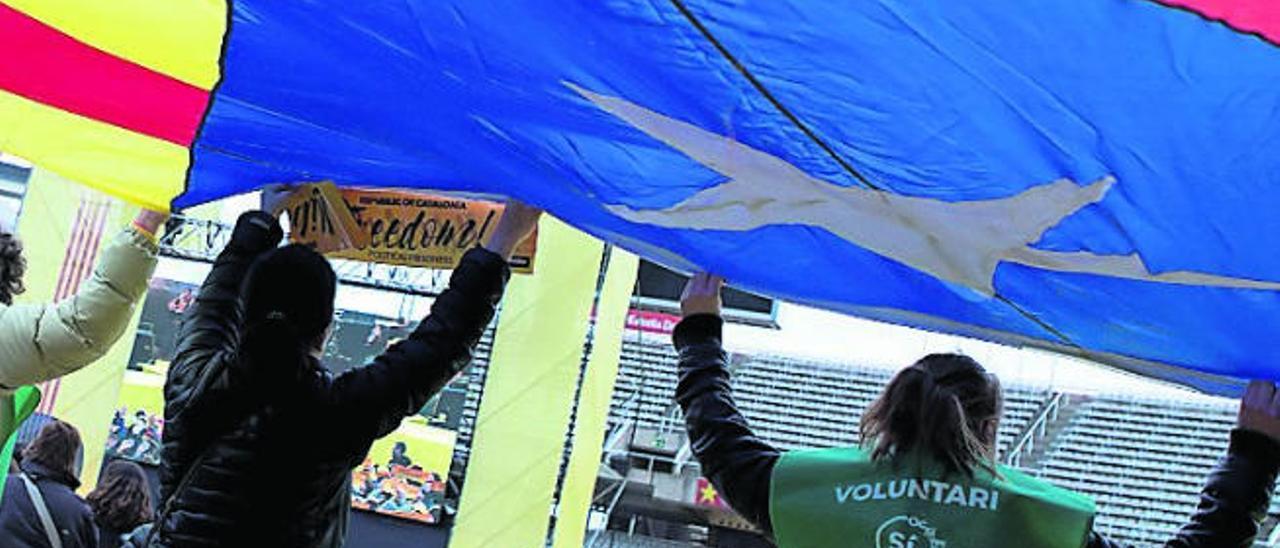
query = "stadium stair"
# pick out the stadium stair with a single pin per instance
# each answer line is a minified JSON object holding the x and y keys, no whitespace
{"x":1068,"y":407}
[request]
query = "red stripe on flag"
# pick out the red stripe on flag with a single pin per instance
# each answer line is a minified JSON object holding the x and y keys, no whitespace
{"x":45,"y":65}
{"x":1253,"y":16}
{"x":84,"y":258}
{"x":77,"y":265}
{"x":89,"y":256}
{"x":59,"y":289}
{"x":74,"y":244}
{"x":72,"y":267}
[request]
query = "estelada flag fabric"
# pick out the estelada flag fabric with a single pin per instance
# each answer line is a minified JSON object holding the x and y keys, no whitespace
{"x":705,"y":494}
{"x":1095,"y":177}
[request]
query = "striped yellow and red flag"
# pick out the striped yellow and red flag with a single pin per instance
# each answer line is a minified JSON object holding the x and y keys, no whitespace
{"x":122,"y":84}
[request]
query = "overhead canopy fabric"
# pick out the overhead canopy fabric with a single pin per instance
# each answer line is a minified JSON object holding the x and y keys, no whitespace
{"x":1098,"y":177}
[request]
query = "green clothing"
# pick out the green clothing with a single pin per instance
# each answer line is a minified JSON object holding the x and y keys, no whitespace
{"x":839,"y":497}
{"x":15,"y":409}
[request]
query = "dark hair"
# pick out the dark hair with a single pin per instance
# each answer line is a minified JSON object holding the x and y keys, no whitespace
{"x":55,"y":448}
{"x":122,"y":499}
{"x":12,"y":268}
{"x":937,"y":407}
{"x":293,"y":284}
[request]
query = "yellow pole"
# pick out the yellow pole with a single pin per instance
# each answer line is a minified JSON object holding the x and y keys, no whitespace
{"x":596,"y":396}
{"x":528,"y":394}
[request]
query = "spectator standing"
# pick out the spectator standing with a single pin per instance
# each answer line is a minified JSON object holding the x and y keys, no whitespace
{"x":41,"y":508}
{"x":121,"y":502}
{"x":259,"y":439}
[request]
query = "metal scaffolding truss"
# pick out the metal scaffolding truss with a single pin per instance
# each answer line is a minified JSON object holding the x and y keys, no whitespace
{"x":201,"y":240}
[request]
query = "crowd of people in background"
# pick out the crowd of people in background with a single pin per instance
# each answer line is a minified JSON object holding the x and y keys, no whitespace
{"x":118,"y":512}
{"x":135,"y":437}
{"x":401,"y":489}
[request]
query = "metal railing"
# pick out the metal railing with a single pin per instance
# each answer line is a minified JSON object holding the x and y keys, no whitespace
{"x":201,"y":240}
{"x":613,"y":440}
{"x":1036,"y":430}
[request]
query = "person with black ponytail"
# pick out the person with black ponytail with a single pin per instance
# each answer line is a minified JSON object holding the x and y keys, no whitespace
{"x":259,"y":439}
{"x":925,"y":474}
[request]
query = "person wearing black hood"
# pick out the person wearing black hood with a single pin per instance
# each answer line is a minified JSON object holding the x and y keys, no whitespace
{"x":41,"y":507}
{"x":259,"y":440}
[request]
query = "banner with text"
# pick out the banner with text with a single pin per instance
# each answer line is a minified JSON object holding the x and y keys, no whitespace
{"x":650,"y":321}
{"x":396,"y":227}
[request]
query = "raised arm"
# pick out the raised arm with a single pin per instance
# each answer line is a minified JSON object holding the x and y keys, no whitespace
{"x":369,"y":402}
{"x":204,"y":362}
{"x":39,"y":342}
{"x":737,"y":462}
{"x":1237,"y":494}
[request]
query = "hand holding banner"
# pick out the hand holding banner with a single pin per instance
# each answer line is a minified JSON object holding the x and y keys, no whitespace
{"x":399,"y":228}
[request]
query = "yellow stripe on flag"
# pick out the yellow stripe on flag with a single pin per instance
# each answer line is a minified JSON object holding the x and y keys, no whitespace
{"x":141,"y":169}
{"x":596,"y":396}
{"x":180,"y":38}
{"x":528,"y":394}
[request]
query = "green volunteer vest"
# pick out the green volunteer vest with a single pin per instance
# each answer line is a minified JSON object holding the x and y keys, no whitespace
{"x":838,"y":497}
{"x":14,"y":409}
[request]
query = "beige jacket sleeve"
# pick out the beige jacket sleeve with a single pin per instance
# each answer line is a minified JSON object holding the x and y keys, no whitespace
{"x":39,"y":342}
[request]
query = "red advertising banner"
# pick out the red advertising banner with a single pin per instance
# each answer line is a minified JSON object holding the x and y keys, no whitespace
{"x":652,"y":322}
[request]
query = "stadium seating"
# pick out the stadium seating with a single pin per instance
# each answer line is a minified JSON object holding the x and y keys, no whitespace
{"x":647,"y":379}
{"x":474,"y":376}
{"x":1143,"y":460}
{"x":823,"y":400}
{"x":620,"y":539}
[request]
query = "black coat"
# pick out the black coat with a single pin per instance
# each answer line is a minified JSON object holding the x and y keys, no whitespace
{"x":740,"y":464}
{"x":20,"y":524}
{"x":109,"y":537}
{"x":268,"y":436}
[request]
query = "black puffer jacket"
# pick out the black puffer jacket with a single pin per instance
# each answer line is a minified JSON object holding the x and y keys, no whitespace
{"x":740,"y":464}
{"x":268,"y":436}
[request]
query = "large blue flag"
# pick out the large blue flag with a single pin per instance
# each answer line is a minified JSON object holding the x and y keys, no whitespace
{"x":1100,"y":178}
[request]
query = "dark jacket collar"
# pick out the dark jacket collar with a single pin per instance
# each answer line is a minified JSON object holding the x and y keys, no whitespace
{"x":38,"y":471}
